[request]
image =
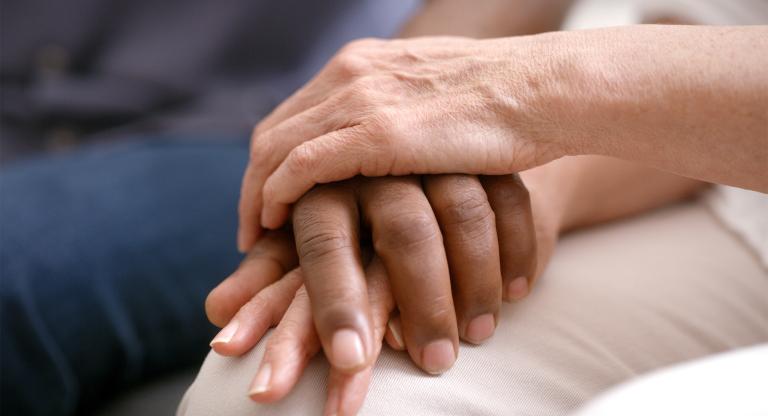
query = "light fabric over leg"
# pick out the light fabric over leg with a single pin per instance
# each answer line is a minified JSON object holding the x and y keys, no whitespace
{"x":616,"y":301}
{"x":731,"y":383}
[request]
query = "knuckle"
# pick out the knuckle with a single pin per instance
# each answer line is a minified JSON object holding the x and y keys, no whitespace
{"x":382,"y":120}
{"x":302,"y":158}
{"x":258,"y":129}
{"x":469,"y":208}
{"x":380,"y":126}
{"x":258,"y":304}
{"x":351,"y":61}
{"x":349,"y":65}
{"x":321,"y":240}
{"x":472,"y":220}
{"x":435,"y":313}
{"x":407,"y":231}
{"x":361,"y":44}
{"x":285,"y":342}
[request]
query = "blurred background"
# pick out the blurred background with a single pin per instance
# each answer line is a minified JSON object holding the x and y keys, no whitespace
{"x":123,"y":134}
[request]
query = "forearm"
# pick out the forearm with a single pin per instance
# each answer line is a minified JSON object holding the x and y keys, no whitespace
{"x":688,"y":100}
{"x":587,"y":190}
{"x":487,"y":18}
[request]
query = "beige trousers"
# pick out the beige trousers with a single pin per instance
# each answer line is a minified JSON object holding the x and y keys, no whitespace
{"x":616,"y":301}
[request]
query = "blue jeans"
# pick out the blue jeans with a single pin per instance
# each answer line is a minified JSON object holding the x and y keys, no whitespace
{"x":106,"y":256}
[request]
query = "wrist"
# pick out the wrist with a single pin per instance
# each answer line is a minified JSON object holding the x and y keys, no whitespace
{"x":567,"y":89}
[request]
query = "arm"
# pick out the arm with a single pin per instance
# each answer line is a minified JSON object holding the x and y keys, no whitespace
{"x":577,"y":192}
{"x":487,"y":18}
{"x":586,"y":190}
{"x":685,"y":99}
{"x":623,"y":188}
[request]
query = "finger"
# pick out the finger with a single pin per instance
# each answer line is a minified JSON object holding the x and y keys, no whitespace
{"x":346,"y":392}
{"x":343,"y":69}
{"x":394,"y":334}
{"x":264,"y":310}
{"x":326,"y":227}
{"x":248,"y":208}
{"x":517,"y":236}
{"x":271,"y":258}
{"x":268,"y":148}
{"x":295,"y":160}
{"x":384,"y":144}
{"x":293,"y":343}
{"x":407,"y":239}
{"x":469,"y":231}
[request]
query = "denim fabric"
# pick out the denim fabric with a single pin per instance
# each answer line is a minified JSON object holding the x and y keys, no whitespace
{"x":106,"y":256}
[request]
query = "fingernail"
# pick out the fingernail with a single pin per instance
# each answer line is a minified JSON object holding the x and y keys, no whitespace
{"x":480,"y":328}
{"x":226,"y":334}
{"x":261,"y":381}
{"x":397,"y":334}
{"x":347,"y":349}
{"x":517,"y":288}
{"x":438,"y":356}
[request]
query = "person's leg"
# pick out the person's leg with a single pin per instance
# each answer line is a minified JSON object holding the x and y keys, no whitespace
{"x":106,"y":256}
{"x":615,"y":302}
{"x":730,"y":383}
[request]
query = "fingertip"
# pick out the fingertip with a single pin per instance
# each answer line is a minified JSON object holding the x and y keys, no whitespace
{"x":224,"y":337}
{"x":516,"y":289}
{"x":438,"y":356}
{"x":480,"y":328}
{"x":214,"y":311}
{"x":347,"y":351}
{"x":261,"y":384}
{"x":273,"y":381}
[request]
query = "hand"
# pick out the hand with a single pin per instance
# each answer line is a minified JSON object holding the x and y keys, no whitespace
{"x":425,"y":105}
{"x":294,"y":341}
{"x":567,"y":194}
{"x":424,"y":254}
{"x":412,"y":242}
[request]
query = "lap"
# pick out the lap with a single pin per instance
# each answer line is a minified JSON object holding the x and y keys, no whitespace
{"x":616,"y":301}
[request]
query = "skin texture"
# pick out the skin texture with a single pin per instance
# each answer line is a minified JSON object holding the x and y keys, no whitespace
{"x":563,"y":195}
{"x":461,"y":200}
{"x":462,"y":205}
{"x":690,"y":100}
{"x":489,"y":19}
{"x":439,"y":239}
